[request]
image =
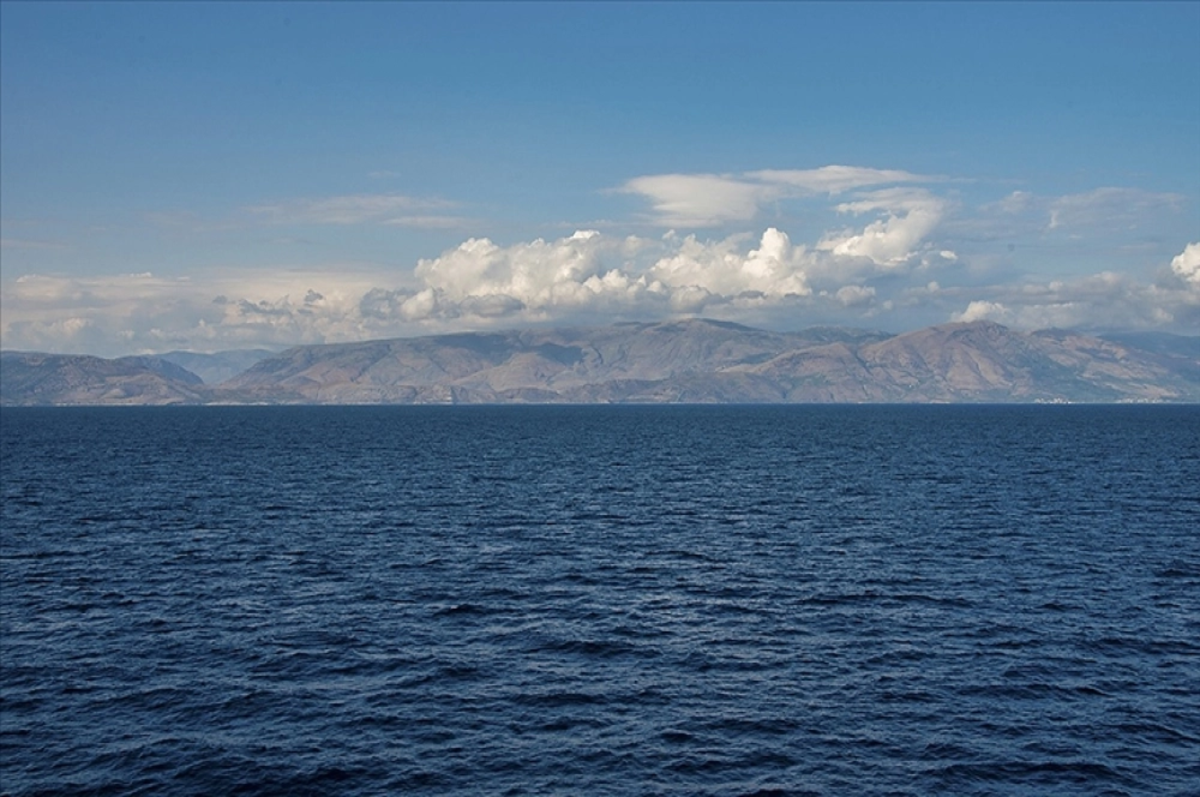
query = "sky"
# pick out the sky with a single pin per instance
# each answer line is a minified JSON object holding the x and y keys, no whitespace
{"x":214,"y":176}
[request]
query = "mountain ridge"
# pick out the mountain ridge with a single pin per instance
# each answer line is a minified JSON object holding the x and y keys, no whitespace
{"x":689,"y":360}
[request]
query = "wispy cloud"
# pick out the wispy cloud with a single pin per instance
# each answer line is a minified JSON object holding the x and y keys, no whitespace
{"x":430,"y":222}
{"x":349,"y":209}
{"x":836,"y":179}
{"x":174,"y":219}
{"x":700,"y":200}
{"x":1109,"y":207}
{"x":709,"y":200}
{"x":27,"y":243}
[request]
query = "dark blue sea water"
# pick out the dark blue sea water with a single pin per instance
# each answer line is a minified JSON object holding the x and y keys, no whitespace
{"x":601,"y":600}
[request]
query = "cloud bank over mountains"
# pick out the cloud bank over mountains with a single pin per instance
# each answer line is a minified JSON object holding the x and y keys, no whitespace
{"x":783,"y":248}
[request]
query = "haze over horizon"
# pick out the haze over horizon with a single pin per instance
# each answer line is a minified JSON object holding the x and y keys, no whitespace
{"x":221,"y":176}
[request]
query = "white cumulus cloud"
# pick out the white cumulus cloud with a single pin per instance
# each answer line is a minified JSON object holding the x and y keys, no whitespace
{"x":905,"y":218}
{"x":855,"y":295}
{"x":590,"y":271}
{"x":981,"y":309}
{"x":571,"y":271}
{"x":775,"y":269}
{"x":1187,"y":264}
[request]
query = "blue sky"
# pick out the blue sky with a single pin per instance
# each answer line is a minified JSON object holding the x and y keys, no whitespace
{"x":221,"y":175}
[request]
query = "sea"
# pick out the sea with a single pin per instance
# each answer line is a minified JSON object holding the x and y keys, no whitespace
{"x":600,"y":600}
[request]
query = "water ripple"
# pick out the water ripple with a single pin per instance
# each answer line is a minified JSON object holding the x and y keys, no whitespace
{"x":625,"y":600}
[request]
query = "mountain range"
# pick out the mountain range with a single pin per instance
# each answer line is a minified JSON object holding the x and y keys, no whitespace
{"x":689,"y":361}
